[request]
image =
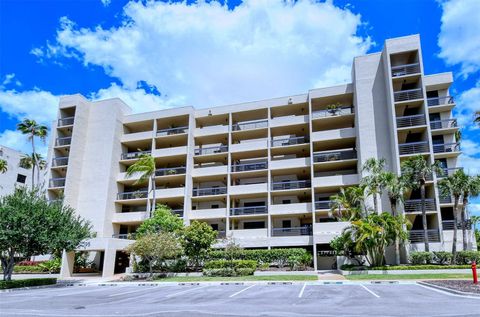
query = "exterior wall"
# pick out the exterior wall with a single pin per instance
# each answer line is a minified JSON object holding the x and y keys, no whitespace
{"x":8,"y":180}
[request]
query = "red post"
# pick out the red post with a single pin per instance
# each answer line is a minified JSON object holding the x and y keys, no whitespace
{"x":474,"y":272}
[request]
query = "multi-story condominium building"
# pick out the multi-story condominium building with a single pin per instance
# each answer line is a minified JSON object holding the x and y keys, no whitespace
{"x":15,"y":175}
{"x":259,"y":172}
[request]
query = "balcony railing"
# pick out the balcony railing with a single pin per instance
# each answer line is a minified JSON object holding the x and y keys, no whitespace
{"x":406,"y":69}
{"x":443,"y":124}
{"x":446,"y":199}
{"x":249,"y":167}
{"x":417,"y":236}
{"x":57,"y":182}
{"x":60,"y":161}
{"x":139,"y":194}
{"x":133,"y":155}
{"x":252,"y":210}
{"x":449,"y":224}
{"x":221,"y":234}
{"x":63,"y":141}
{"x":250,"y":125}
{"x":340,"y":111}
{"x":413,"y":147}
{"x":172,"y":131}
{"x":437,"y":101}
{"x":65,"y":121}
{"x":405,"y":95}
{"x":289,"y":141}
{"x":126,"y":236}
{"x":170,"y":171}
{"x":323,"y":204}
{"x":446,"y":148}
{"x":211,"y":150}
{"x":448,"y":171}
{"x":178,"y":212}
{"x":411,"y":121}
{"x":291,"y":185}
{"x":339,"y":155}
{"x":299,"y":231}
{"x":336,"y":172}
{"x":209,"y":191}
{"x":415,"y":205}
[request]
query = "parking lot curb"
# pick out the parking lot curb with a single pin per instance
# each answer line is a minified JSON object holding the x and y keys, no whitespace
{"x":8,"y":290}
{"x":448,"y":290}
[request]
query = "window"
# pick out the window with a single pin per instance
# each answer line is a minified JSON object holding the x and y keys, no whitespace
{"x":254,"y":204}
{"x":254,"y":225}
{"x":21,"y":178}
{"x":286,"y":223}
{"x":286,"y":201}
{"x":215,"y":206}
{"x":214,"y":226}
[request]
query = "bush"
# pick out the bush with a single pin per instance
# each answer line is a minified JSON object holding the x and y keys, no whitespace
{"x":230,"y":268}
{"x":442,"y":257}
{"x":278,"y":257}
{"x":467,"y":257}
{"x":348,"y":267}
{"x":29,"y":263}
{"x":52,"y":266}
{"x":27,"y":282}
{"x":28,"y":269}
{"x":219,"y":272}
{"x":421,"y":257}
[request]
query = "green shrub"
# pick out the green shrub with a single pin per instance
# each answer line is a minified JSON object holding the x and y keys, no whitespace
{"x":442,"y":257}
{"x":52,"y":266}
{"x":467,"y":257}
{"x":235,"y":264}
{"x":278,"y":257}
{"x":421,"y":257}
{"x":244,"y":271}
{"x":219,"y":272}
{"x":348,"y":267}
{"x":27,"y":282}
{"x":29,"y":269}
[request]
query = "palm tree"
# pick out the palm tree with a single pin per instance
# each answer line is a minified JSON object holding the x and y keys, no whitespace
{"x":146,"y":166}
{"x":471,"y":188}
{"x":31,"y":162}
{"x":3,"y":166}
{"x":416,"y":170}
{"x":396,"y":189}
{"x":349,"y":202}
{"x":453,"y":186}
{"x":373,"y":181}
{"x":32,"y":129}
{"x":477,"y":118}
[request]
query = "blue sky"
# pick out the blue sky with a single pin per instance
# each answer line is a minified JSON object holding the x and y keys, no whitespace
{"x":161,"y":55}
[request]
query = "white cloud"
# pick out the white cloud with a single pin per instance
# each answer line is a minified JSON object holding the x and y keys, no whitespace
{"x":470,"y":164}
{"x":18,"y":141}
{"x":204,"y":54}
{"x":470,"y":147}
{"x":459,"y":39}
{"x":106,"y":3}
{"x":467,"y":104}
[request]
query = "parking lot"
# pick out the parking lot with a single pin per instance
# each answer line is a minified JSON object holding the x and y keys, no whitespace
{"x":249,"y":299}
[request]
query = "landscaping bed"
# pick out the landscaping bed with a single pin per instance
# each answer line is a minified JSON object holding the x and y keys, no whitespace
{"x":279,"y":278}
{"x":457,"y":285}
{"x":27,"y":282}
{"x":402,"y":276}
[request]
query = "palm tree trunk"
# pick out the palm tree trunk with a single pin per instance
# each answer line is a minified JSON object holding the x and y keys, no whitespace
{"x":454,"y":239}
{"x":424,"y":218}
{"x":463,"y":216}
{"x":34,"y":154}
{"x":154,"y":202}
{"x":33,"y":175}
{"x":375,"y":203}
{"x":393,"y":204}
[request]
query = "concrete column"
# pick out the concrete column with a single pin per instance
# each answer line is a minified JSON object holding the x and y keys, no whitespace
{"x":109,"y":262}
{"x":68,"y":260}
{"x":315,"y":260}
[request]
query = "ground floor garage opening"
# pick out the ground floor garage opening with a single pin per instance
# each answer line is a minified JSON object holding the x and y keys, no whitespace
{"x":326,"y":258}
{"x":122,"y":261}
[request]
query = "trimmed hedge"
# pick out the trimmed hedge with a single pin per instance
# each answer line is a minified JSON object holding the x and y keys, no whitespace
{"x":229,"y":268}
{"x":421,"y":257}
{"x":442,"y":257}
{"x":272,"y":257}
{"x":404,"y":267}
{"x":27,"y":282}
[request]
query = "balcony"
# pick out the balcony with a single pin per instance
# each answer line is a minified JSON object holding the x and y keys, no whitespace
{"x":449,"y":225}
{"x":291,"y":185}
{"x":139,"y":194}
{"x":248,"y":211}
{"x":324,"y":232}
{"x":221,"y":234}
{"x":440,"y":101}
{"x":289,"y":141}
{"x":411,"y":121}
{"x":336,"y":178}
{"x":65,"y":121}
{"x":323,"y":204}
{"x":178,"y":212}
{"x":340,"y":111}
{"x":445,"y":200}
{"x":129,"y":217}
{"x":334,"y":134}
{"x":449,"y":171}
{"x":211,"y":150}
{"x":211,"y":130}
{"x":446,"y":148}
{"x":417,"y":236}
{"x":250,"y":125}
{"x":60,"y":161}
{"x":170,"y":171}
{"x":415,"y":205}
{"x":133,"y":155}
{"x":209,"y":191}
{"x":339,"y":155}
{"x":211,"y":213}
{"x":413,"y":148}
{"x":287,"y":163}
{"x":56,"y":182}
{"x":63,"y":141}
{"x":406,"y":95}
{"x":443,"y":124}
{"x":407,"y":69}
{"x":249,"y":189}
{"x":290,"y":209}
{"x":172,"y":131}
{"x":209,"y":170}
{"x":124,"y":236}
{"x":249,"y":145}
{"x":249,"y":167}
{"x":285,"y":232}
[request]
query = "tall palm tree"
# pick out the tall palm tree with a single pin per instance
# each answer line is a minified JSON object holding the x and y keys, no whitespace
{"x":373,"y":181}
{"x":396,"y":189}
{"x":146,"y":167}
{"x":349,"y":202}
{"x":477,"y":118}
{"x":33,"y":130}
{"x":31,"y":162}
{"x":453,"y":186}
{"x":471,"y":188}
{"x":3,"y":166}
{"x":416,"y":170}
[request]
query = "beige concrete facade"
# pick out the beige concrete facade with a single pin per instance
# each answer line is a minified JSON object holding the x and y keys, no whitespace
{"x":15,"y":175}
{"x":259,"y":172}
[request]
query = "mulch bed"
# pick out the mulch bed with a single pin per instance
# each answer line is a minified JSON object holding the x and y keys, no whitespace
{"x":458,"y":285}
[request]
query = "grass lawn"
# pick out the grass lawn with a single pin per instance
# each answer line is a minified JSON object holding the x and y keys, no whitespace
{"x":238,"y":278}
{"x":438,"y":276}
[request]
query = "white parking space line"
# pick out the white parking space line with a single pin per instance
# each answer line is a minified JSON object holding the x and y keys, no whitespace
{"x":99,"y":288}
{"x":186,"y":291}
{"x":368,"y":290}
{"x":447,"y":293}
{"x":129,"y":292}
{"x":303,"y":289}
{"x":241,"y":291}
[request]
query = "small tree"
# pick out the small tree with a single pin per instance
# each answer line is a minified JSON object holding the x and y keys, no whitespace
{"x":197,"y":241}
{"x":33,"y":130}
{"x":163,"y":220}
{"x":145,"y":166}
{"x":349,"y":203}
{"x":31,"y":162}
{"x":3,"y":166}
{"x":373,"y":181}
{"x":155,"y":248}
{"x":30,"y":225}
